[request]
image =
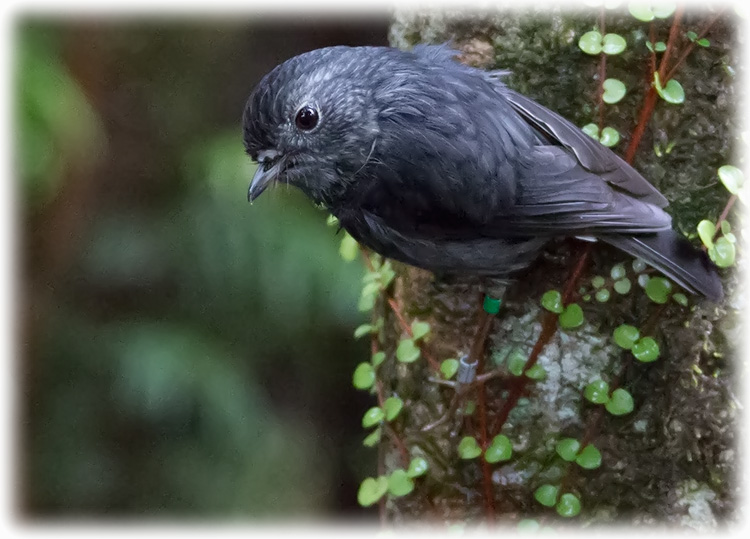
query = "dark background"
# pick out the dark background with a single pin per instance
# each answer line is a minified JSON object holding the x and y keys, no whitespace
{"x":182,"y":353}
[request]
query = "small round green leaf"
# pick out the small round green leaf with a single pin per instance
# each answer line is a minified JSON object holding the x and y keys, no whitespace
{"x":552,"y":301}
{"x":591,"y":130}
{"x":372,"y":417}
{"x":448,"y":368}
{"x":723,"y":252}
{"x":361,"y":331}
{"x":407,"y":351}
{"x":614,"y":91}
{"x":638,"y":265}
{"x":732,"y":178}
{"x":368,"y":296}
{"x":364,"y":376}
{"x":613,"y":44}
{"x":658,"y":289}
{"x":536,"y":372}
{"x":625,"y":336}
{"x":609,"y":137}
{"x":419,"y":329}
{"x":399,"y":483}
{"x":646,"y":350}
{"x":547,"y":495}
{"x":680,"y":298}
{"x":371,"y":490}
{"x":602,"y":296}
{"x":468,"y":448}
{"x":620,"y":403}
{"x":643,"y":280}
{"x":641,"y":10}
{"x":706,"y":232}
{"x":528,"y":525}
{"x":703,"y":42}
{"x":568,"y":448}
{"x":617,"y":271}
{"x":597,"y":392}
{"x":663,"y":8}
{"x":622,"y":286}
{"x":673,"y":92}
{"x":499,"y":450}
{"x":470,"y":408}
{"x":597,"y":281}
{"x":387,"y":274}
{"x":660,"y":46}
{"x":572,"y":316}
{"x":516,"y":362}
{"x":349,"y":248}
{"x":377,"y":358}
{"x":392,"y":407}
{"x":373,"y":438}
{"x":589,"y":458}
{"x":568,"y":506}
{"x":417,"y":467}
{"x":591,"y":42}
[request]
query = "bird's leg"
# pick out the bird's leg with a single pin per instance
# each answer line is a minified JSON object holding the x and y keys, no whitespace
{"x":490,"y":307}
{"x":471,"y":373}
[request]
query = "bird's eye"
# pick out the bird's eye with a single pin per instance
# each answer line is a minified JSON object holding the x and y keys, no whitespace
{"x":307,"y":118}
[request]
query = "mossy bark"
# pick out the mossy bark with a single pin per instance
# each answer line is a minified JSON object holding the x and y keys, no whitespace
{"x":673,"y":459}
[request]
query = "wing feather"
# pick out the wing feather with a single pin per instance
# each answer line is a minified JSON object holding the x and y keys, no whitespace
{"x":592,"y":155}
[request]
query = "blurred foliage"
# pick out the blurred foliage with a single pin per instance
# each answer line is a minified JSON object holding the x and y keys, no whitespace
{"x":56,"y":123}
{"x":194,"y":354}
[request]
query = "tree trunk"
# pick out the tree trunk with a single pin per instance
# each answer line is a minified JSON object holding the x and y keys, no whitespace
{"x":672,"y":458}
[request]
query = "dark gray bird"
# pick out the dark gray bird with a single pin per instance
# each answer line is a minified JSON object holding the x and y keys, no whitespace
{"x":441,"y":166}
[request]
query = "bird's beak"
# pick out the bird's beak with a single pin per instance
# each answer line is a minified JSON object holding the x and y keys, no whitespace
{"x":263,"y":176}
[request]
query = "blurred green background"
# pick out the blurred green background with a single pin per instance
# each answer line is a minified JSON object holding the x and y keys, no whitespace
{"x":182,"y":353}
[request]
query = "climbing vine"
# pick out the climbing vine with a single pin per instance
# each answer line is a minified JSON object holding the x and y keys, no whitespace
{"x":480,"y":421}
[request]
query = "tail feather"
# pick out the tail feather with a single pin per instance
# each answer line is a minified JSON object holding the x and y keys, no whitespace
{"x":676,"y":258}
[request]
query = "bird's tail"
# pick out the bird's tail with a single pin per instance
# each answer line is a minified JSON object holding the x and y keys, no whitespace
{"x":676,"y":258}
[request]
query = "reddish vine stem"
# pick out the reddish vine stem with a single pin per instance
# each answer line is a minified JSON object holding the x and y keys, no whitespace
{"x":652,"y":38}
{"x":649,"y":102}
{"x":671,"y":43}
{"x":549,"y":328}
{"x":477,"y":354}
{"x":381,"y":453}
{"x":723,"y":216}
{"x":407,"y":329}
{"x":595,"y":420}
{"x":366,"y":258}
{"x":381,"y":472}
{"x":480,"y":342}
{"x":399,"y":315}
{"x":395,"y":438}
{"x":691,"y":46}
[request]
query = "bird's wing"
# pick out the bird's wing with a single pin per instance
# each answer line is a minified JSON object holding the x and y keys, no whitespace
{"x":555,"y":194}
{"x":592,"y":155}
{"x":456,"y":158}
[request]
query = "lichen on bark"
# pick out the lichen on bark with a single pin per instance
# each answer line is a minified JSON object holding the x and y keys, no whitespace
{"x":672,"y":460}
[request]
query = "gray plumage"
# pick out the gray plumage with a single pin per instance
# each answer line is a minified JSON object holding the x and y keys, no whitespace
{"x":440,"y":165}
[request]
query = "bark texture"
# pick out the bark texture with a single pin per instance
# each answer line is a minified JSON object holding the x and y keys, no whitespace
{"x":673,"y":459}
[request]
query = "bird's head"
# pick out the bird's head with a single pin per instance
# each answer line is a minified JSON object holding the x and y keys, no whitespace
{"x":310,"y":122}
